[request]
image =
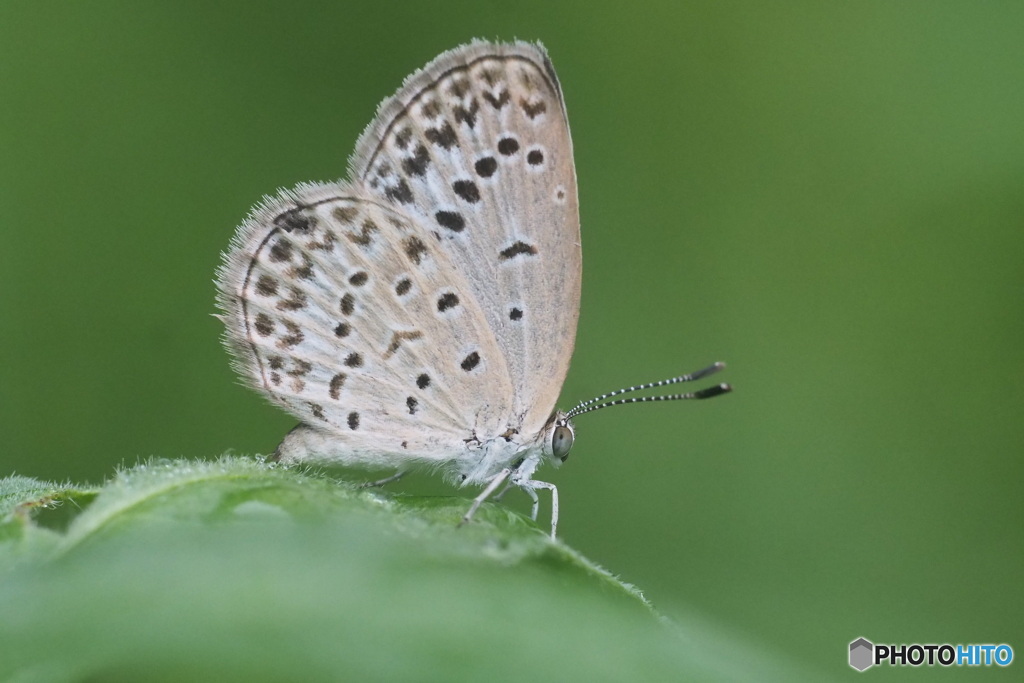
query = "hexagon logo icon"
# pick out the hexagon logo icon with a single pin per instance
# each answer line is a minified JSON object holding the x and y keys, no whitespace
{"x":862,"y":653}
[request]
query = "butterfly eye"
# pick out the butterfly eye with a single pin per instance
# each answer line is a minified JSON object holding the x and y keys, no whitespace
{"x":561,"y":442}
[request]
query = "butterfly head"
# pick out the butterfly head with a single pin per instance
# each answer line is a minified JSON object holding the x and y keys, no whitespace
{"x":558,"y":439}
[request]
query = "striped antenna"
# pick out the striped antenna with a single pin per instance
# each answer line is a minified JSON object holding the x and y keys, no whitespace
{"x":710,"y":392}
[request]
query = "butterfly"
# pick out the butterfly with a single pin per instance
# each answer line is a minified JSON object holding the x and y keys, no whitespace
{"x":423,"y":312}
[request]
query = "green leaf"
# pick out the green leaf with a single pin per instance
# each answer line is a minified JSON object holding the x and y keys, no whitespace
{"x":240,"y":570}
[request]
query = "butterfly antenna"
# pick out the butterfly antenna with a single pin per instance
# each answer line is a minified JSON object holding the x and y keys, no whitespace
{"x":710,"y":392}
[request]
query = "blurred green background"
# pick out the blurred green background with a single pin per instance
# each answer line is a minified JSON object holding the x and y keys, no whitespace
{"x":829,"y":197}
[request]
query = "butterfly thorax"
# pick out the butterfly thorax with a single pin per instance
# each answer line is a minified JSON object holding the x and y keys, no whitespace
{"x":523,"y":456}
{"x":483,"y":460}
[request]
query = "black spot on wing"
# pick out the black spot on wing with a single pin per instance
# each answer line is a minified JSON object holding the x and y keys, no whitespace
{"x":447,"y":301}
{"x":466,"y":190}
{"x":345,"y":213}
{"x":295,"y":301}
{"x":303,"y":272}
{"x":337,"y":382}
{"x":348,"y":304}
{"x":430,"y":108}
{"x":414,"y":248}
{"x":518,"y":249}
{"x":326,"y":243}
{"x":300,"y":368}
{"x":508,"y":146}
{"x":264,"y":325}
{"x":365,"y":235}
{"x":402,"y":138}
{"x":467,"y":114}
{"x":497,"y":101}
{"x":417,"y":164}
{"x":459,"y":86}
{"x":533,"y":109}
{"x":266,"y":285}
{"x":294,"y":336}
{"x":486,"y":167}
{"x":442,"y":137}
{"x":295,"y":221}
{"x":280,"y":251}
{"x":396,"y":341}
{"x":451,"y":220}
{"x":401,"y":192}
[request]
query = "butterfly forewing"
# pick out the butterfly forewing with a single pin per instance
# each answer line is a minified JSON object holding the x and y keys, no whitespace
{"x":476,"y":148}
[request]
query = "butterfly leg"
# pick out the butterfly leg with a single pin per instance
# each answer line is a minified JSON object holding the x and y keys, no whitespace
{"x":386,"y":480}
{"x":501,"y":494}
{"x":529,"y":485}
{"x":485,"y":494}
{"x":536,"y":501}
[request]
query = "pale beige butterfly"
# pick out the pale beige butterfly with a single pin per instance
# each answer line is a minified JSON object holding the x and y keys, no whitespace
{"x":423,"y":312}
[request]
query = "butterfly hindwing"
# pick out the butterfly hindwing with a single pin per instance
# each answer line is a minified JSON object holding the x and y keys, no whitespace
{"x":358,"y":325}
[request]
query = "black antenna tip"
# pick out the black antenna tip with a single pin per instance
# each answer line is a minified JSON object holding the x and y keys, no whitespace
{"x":711,"y":392}
{"x":709,"y":370}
